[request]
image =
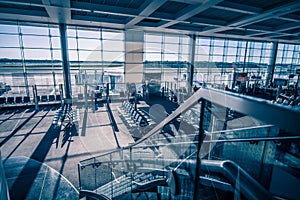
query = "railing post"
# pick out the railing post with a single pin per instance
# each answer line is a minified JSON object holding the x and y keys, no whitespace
{"x":85,"y":96}
{"x":79,"y":178}
{"x":201,"y":133}
{"x":34,"y":90}
{"x":61,"y":92}
{"x":111,"y":176}
{"x":107,"y":92}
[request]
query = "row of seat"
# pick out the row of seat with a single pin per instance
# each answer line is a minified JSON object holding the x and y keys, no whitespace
{"x":288,"y":100}
{"x":60,"y":115}
{"x":26,"y":99}
{"x":66,"y":116}
{"x":80,"y":96}
{"x":72,"y":117}
{"x":132,"y":114}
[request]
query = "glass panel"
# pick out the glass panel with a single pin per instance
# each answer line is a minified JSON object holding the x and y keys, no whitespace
{"x":219,"y":43}
{"x":72,"y":43}
{"x":202,"y":49}
{"x":153,"y":38}
{"x":8,"y":28}
{"x":218,"y":50}
{"x":35,"y":41}
{"x":109,"y":45}
{"x":232,"y":43}
{"x":231,"y":51}
{"x":185,"y":40}
{"x":38,"y":54}
{"x":153,"y":47}
{"x":35,"y":30}
{"x":9,"y":40}
{"x":106,"y":35}
{"x":88,"y":34}
{"x":152,"y":57}
{"x":171,"y":39}
{"x":230,"y":59}
{"x":170,"y":57}
{"x":54,"y":32}
{"x":184,"y":57}
{"x":89,"y":55}
{"x":56,"y":54}
{"x":55,"y":42}
{"x":257,"y":52}
{"x":113,"y":56}
{"x":217,"y":58}
{"x":184,"y":49}
{"x":203,"y":41}
{"x":202,"y":57}
{"x":90,"y":44}
{"x":171,"y":48}
{"x":71,"y":32}
{"x":11,"y":53}
{"x":257,"y":45}
{"x":73,"y":55}
{"x":280,"y":46}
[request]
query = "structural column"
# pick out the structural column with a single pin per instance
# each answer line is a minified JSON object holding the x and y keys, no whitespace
{"x":134,"y":45}
{"x":271,"y":67}
{"x":192,"y":62}
{"x":66,"y":64}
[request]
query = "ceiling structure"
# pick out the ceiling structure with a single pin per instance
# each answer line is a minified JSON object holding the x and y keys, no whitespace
{"x":268,"y":20}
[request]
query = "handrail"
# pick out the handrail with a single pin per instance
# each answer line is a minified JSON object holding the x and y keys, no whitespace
{"x":247,"y":185}
{"x":257,"y":108}
{"x":236,"y":175}
{"x":92,"y":195}
{"x":281,"y":116}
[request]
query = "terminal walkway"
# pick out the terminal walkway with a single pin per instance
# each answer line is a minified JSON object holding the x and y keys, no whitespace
{"x":30,"y":133}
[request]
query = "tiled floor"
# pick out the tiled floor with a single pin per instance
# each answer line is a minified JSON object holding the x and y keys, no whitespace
{"x":61,"y":150}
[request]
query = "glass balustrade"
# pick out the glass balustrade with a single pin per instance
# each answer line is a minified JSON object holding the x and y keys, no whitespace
{"x":210,"y":147}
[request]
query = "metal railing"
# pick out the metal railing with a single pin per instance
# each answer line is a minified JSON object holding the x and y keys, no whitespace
{"x":242,"y":129}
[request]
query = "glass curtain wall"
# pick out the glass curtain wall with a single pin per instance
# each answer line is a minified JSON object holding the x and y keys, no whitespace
{"x":287,"y":61}
{"x":30,"y":55}
{"x":166,"y":59}
{"x":96,"y":57}
{"x":218,"y":60}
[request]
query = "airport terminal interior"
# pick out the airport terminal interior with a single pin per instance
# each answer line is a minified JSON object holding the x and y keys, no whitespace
{"x":149,"y":99}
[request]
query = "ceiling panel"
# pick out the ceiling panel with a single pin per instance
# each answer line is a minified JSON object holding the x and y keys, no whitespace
{"x":264,"y":4}
{"x":214,"y":13}
{"x":172,"y":7}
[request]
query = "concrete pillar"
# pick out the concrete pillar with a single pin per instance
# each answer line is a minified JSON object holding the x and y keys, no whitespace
{"x":134,"y":45}
{"x":271,"y":67}
{"x":192,"y":63}
{"x":66,"y":64}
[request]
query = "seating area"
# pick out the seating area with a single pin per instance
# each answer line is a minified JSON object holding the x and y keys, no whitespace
{"x":133,"y":116}
{"x":16,"y":100}
{"x":66,"y":116}
{"x":288,"y":101}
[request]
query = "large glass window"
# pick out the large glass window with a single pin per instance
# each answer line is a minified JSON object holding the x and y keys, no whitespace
{"x":32,"y":54}
{"x":216,"y":60}
{"x":165,"y":59}
{"x":287,"y":61}
{"x":95,"y":56}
